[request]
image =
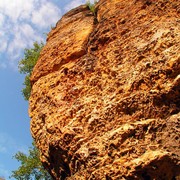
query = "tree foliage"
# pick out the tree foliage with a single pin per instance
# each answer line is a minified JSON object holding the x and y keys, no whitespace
{"x":26,"y":66}
{"x":91,"y":6}
{"x":31,"y":166}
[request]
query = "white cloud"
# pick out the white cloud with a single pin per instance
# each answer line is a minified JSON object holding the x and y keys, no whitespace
{"x":27,"y":31}
{"x":3,"y":44}
{"x":16,"y":9}
{"x":24,"y":37}
{"x":22,"y":23}
{"x":46,"y":15}
{"x":1,"y":19}
{"x":73,"y":4}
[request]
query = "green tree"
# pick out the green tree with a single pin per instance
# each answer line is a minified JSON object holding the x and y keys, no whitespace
{"x":31,"y":166}
{"x":26,"y":66}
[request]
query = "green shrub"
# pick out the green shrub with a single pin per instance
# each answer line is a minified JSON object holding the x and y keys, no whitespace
{"x":26,"y":66}
{"x":91,"y":6}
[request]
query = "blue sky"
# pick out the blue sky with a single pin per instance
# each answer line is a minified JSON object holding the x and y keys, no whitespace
{"x":22,"y":22}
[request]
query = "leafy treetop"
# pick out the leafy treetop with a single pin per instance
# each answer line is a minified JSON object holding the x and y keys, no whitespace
{"x":26,"y":66}
{"x":31,"y":166}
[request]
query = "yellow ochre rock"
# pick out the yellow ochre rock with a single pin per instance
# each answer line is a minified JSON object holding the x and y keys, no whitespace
{"x":105,"y":100}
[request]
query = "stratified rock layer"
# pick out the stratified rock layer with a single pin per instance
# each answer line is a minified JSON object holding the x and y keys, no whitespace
{"x":105,"y":102}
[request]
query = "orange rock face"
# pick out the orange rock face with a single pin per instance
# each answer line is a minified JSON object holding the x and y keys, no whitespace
{"x":105,"y":102}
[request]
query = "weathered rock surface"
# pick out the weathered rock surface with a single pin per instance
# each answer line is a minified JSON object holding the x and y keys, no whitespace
{"x":105,"y":102}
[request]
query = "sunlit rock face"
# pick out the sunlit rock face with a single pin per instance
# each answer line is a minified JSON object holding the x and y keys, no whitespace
{"x":105,"y":102}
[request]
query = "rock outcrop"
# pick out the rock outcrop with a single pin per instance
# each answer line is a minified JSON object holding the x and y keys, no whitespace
{"x":105,"y":102}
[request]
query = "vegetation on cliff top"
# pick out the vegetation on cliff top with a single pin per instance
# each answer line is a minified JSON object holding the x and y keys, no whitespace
{"x":91,"y":6}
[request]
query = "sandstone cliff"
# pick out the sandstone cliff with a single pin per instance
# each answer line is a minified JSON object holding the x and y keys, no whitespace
{"x":105,"y":102}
